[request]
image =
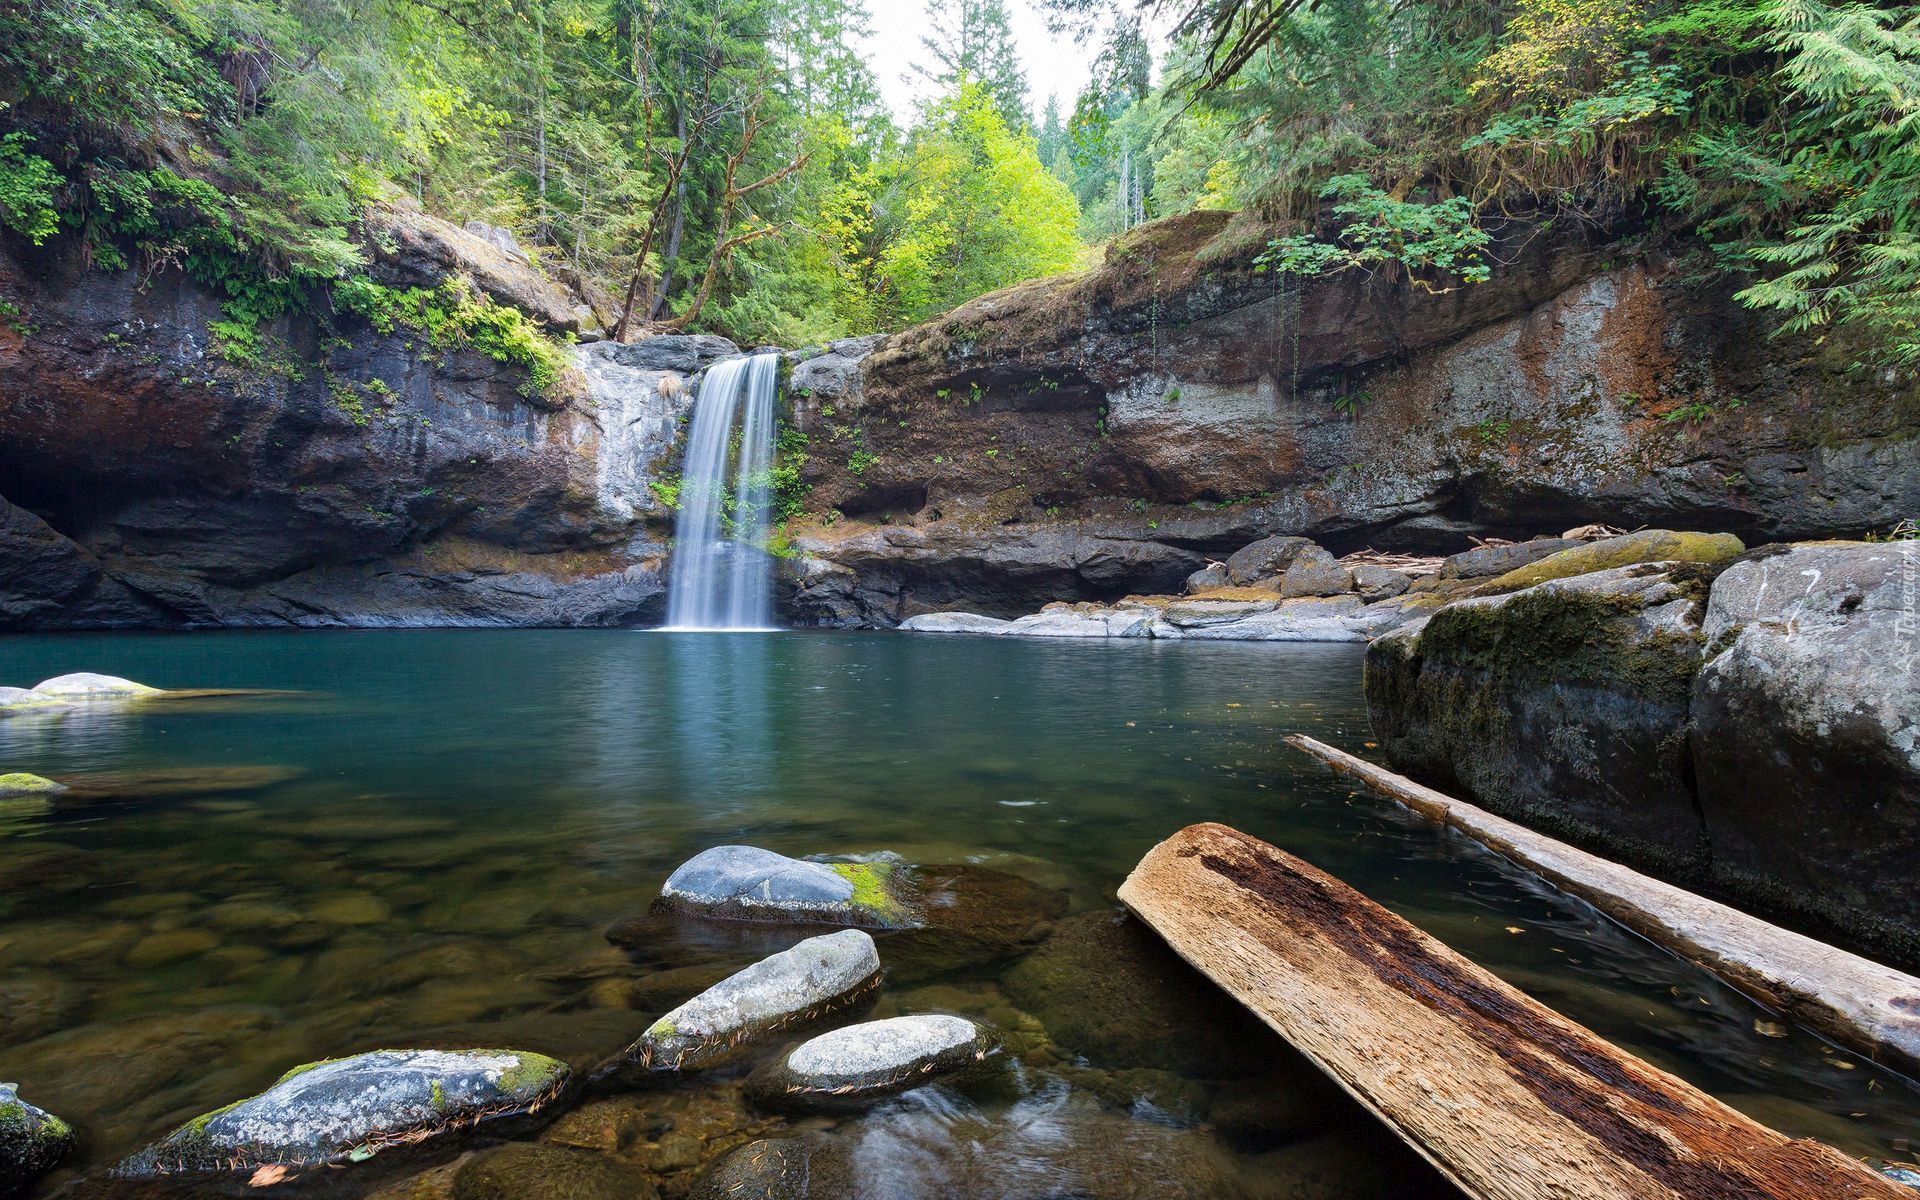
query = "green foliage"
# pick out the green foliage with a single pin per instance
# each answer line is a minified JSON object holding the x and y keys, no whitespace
{"x":862,"y":461}
{"x":456,"y":316}
{"x":1381,"y":233}
{"x":28,"y":184}
{"x":787,"y":477}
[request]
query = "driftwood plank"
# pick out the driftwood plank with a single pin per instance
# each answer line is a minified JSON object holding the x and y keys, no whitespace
{"x":1506,"y":1097}
{"x":1861,"y":1004}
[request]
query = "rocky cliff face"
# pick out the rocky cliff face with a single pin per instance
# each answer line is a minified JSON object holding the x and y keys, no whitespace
{"x":1094,"y":435}
{"x":360,"y":478}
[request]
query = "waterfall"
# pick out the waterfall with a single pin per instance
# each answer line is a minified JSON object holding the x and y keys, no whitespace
{"x":720,"y":576}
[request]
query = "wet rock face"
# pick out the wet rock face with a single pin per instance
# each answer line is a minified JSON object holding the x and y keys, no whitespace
{"x":350,"y":1108}
{"x":1563,"y":705}
{"x":32,"y":1142}
{"x":819,"y":976}
{"x":1806,"y":738}
{"x":860,"y":1064}
{"x":145,"y":481}
{"x":748,"y":883}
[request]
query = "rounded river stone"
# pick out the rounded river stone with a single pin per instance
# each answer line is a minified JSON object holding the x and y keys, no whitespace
{"x":862,"y":1063}
{"x":88,"y":684}
{"x":746,"y":882}
{"x":820,"y":975}
{"x":347,"y":1109}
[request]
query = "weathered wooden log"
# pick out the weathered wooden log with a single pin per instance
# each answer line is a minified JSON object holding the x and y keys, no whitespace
{"x":1504,"y":1096}
{"x":1863,"y":1005}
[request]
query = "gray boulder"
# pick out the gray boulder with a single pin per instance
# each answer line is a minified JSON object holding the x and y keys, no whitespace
{"x":1806,"y":736}
{"x":20,"y":784}
{"x":820,"y":976}
{"x":1484,"y":562}
{"x":15,"y":700}
{"x":89,"y":686}
{"x":682,"y":352}
{"x":748,"y":883}
{"x":1265,"y":558}
{"x":954,"y":622}
{"x":1379,"y":583}
{"x":32,"y":1141}
{"x":855,"y":1066}
{"x":1314,"y":572}
{"x":1209,"y":577}
{"x":1563,"y":705}
{"x":348,"y":1109}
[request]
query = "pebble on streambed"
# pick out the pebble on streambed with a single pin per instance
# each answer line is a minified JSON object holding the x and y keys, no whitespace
{"x":860,"y":1064}
{"x":348,"y":1109}
{"x":751,"y":884}
{"x":32,"y":1141}
{"x":820,"y":976}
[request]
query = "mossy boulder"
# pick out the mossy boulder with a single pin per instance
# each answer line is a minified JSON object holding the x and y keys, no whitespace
{"x":1644,"y":546}
{"x":1807,"y":736}
{"x":522,"y":1171}
{"x":806,"y":983}
{"x":1563,"y":705}
{"x":748,"y":883}
{"x":1106,"y":987}
{"x":861,"y":1064}
{"x":19,"y":784}
{"x":349,"y":1109}
{"x":86,"y":685}
{"x":32,"y":1142}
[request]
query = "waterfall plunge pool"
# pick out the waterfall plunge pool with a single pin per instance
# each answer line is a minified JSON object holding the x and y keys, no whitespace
{"x":455,"y":819}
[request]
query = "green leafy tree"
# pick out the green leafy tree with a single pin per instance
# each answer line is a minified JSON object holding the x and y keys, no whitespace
{"x":971,"y":41}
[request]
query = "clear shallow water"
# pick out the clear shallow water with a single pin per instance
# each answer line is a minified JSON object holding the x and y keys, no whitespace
{"x":456,"y":818}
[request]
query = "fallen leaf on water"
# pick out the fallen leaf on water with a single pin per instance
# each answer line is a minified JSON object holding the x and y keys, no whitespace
{"x":267,"y":1176}
{"x":1772,"y":1029}
{"x":1371,"y":745}
{"x":1515,"y":929}
{"x":1841,"y":1063}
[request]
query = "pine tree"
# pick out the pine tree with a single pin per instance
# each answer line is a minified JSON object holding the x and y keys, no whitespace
{"x":971,"y":41}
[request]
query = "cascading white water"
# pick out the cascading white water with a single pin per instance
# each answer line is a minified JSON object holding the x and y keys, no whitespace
{"x":721,"y":573}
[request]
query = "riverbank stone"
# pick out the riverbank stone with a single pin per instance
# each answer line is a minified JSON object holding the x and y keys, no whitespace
{"x":748,"y":883}
{"x":85,"y":685}
{"x":1643,"y":546}
{"x":32,"y":1142}
{"x":813,"y":979}
{"x":348,"y":1109}
{"x":860,"y":1064}
{"x":1267,"y":558}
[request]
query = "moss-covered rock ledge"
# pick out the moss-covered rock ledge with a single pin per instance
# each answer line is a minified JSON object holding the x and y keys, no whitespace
{"x":1752,"y":729}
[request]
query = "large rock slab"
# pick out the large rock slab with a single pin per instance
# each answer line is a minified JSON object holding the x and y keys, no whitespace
{"x":1265,"y":559}
{"x":1562,"y":705}
{"x":1483,"y":562}
{"x":1806,"y":737}
{"x":348,"y":1109}
{"x":820,"y":976}
{"x":1644,"y":546}
{"x":86,"y":685}
{"x":748,"y":883}
{"x":1314,"y":572}
{"x":32,"y":1142}
{"x":855,"y":1066}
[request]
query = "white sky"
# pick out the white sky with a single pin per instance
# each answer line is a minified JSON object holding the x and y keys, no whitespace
{"x":1055,"y":65}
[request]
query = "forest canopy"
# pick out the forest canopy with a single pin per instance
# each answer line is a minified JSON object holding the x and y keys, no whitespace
{"x":729,"y":164}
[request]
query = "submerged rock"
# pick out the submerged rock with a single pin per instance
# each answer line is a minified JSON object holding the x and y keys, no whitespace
{"x":32,"y":1141}
{"x":348,"y":1109}
{"x":20,"y":784}
{"x":819,"y":976}
{"x":1050,"y":1154}
{"x":975,"y":916}
{"x":863,"y":1063}
{"x":86,"y":685}
{"x":748,"y":883}
{"x":522,"y":1171}
{"x":1806,"y":734}
{"x":1562,"y":705}
{"x":1107,"y":987}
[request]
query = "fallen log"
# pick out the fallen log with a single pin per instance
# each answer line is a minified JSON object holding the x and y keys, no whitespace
{"x":1857,"y":1003}
{"x":1508,"y":1099}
